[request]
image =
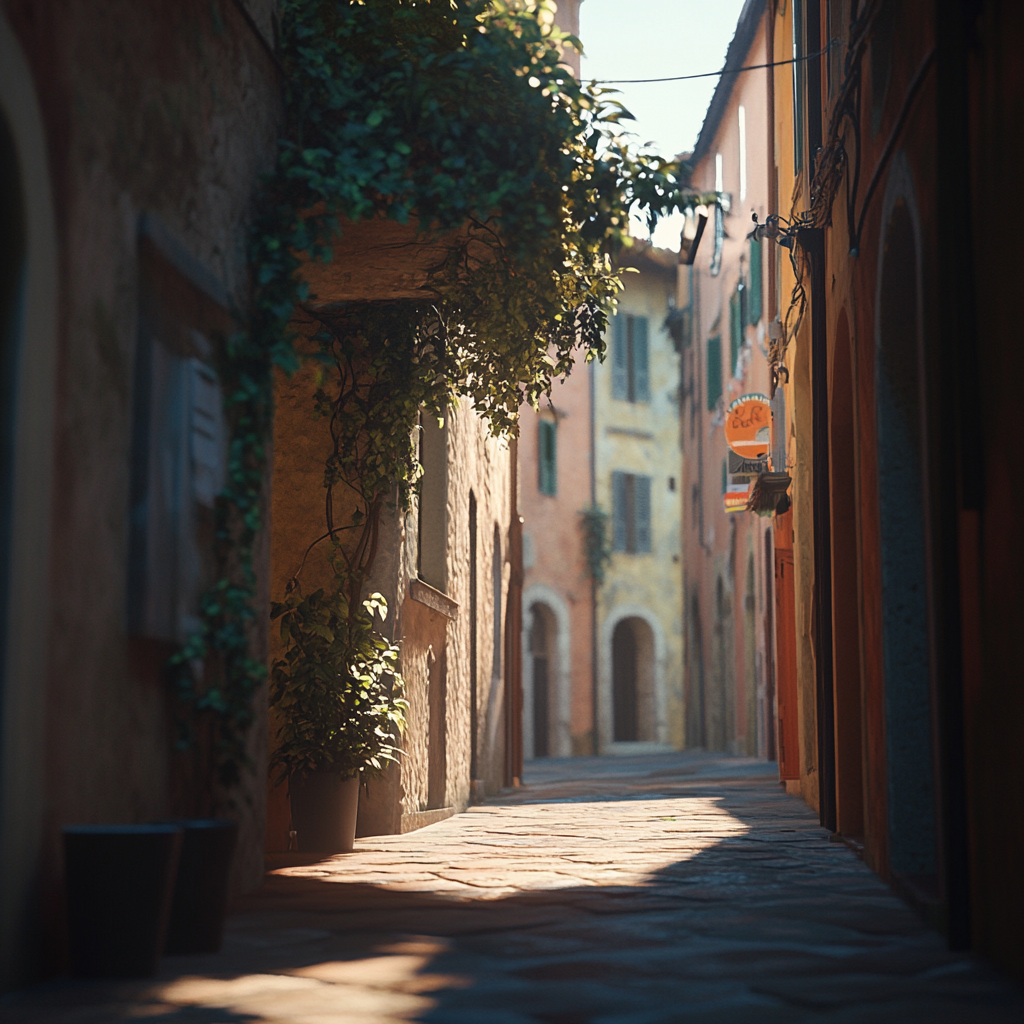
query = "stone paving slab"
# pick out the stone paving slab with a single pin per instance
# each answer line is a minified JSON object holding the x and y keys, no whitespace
{"x":654,"y":890}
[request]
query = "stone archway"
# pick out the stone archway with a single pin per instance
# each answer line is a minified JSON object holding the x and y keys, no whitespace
{"x":631,"y":681}
{"x":902,"y":511}
{"x":28,"y":322}
{"x":546,"y":674}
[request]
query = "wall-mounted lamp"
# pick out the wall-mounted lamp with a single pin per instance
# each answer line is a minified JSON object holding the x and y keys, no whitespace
{"x":693,"y":228}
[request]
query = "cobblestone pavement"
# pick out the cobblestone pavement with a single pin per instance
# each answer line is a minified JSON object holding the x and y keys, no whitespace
{"x":681,"y":888}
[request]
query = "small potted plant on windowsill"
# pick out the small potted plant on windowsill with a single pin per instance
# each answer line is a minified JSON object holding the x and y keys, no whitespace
{"x":339,"y":700}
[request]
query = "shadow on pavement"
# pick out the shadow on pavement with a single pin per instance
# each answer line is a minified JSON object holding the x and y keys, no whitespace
{"x":770,"y":923}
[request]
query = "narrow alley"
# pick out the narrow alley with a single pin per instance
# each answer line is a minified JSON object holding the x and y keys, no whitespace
{"x":680,"y":887}
{"x":508,"y":511}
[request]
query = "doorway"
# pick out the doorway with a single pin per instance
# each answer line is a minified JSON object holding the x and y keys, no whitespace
{"x":634,"y":688}
{"x":541,"y":654}
{"x":908,"y":711}
{"x":845,"y":590}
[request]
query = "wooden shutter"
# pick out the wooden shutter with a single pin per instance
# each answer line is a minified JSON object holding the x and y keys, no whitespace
{"x":641,"y":374}
{"x":547,"y":465}
{"x":620,"y":373}
{"x":714,"y":371}
{"x":756,"y":286}
{"x":619,"y":512}
{"x":642,"y":512}
{"x":207,"y":434}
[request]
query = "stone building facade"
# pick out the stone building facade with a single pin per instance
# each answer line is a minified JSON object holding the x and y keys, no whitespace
{"x":636,"y":445}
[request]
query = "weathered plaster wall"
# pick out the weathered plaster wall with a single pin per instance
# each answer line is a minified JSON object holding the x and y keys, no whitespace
{"x":170,"y":110}
{"x":479,"y":463}
{"x":644,"y":438}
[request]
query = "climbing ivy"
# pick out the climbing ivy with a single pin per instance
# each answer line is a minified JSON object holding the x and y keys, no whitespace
{"x":456,"y":117}
{"x":597,"y":547}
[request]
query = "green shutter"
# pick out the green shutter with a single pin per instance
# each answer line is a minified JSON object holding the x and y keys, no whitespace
{"x":642,"y":512}
{"x":641,"y":373}
{"x":714,"y":371}
{"x":756,"y":286}
{"x":547,"y":464}
{"x":735,"y":332}
{"x":618,"y":511}
{"x":620,"y":373}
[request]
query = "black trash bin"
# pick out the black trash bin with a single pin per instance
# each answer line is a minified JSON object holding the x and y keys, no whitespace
{"x":119,"y":884}
{"x":201,"y":888}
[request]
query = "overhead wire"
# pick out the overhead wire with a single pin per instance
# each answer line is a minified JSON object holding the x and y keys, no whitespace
{"x":714,"y":74}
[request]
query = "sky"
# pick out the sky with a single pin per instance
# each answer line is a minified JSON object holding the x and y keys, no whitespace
{"x":657,"y":39}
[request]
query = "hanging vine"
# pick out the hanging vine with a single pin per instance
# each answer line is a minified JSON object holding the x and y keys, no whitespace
{"x":457,"y":117}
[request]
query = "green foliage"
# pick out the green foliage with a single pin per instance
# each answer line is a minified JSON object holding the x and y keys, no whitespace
{"x":337,"y":689}
{"x":453,"y":115}
{"x":597,"y":543}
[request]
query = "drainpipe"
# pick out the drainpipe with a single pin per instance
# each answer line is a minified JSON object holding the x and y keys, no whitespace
{"x":813,"y":242}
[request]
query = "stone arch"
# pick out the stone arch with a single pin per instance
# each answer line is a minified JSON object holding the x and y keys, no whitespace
{"x":846,"y":637}
{"x":28,"y":329}
{"x":648,"y":638}
{"x":900,"y":412}
{"x":545,"y":609}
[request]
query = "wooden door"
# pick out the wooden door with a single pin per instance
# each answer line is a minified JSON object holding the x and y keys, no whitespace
{"x":785,"y":649}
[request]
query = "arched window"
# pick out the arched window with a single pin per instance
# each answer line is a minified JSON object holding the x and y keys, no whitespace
{"x":904,"y":586}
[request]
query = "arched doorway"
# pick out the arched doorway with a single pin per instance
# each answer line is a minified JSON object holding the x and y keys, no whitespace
{"x":696,"y":725}
{"x":624,"y":683}
{"x":908,"y":712}
{"x":845,"y":597}
{"x":542,"y":627}
{"x":28,"y":321}
{"x":634,"y":705}
{"x":546,"y":639}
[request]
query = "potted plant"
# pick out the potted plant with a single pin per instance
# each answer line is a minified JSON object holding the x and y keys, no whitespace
{"x":339,"y":699}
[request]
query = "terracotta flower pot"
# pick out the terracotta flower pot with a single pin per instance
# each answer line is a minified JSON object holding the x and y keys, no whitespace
{"x":119,"y":884}
{"x":201,"y":886}
{"x":324,"y":810}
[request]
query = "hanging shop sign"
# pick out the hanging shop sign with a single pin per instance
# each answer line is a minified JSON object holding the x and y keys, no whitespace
{"x":748,"y":426}
{"x":736,"y":497}
{"x":739,"y":466}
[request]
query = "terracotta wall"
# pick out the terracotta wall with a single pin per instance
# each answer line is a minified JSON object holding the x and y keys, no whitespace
{"x":556,"y":573}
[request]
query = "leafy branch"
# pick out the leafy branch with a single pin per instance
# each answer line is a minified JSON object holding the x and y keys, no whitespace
{"x":456,"y":117}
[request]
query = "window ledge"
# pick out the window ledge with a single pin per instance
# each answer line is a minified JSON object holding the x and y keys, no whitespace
{"x":424,"y":593}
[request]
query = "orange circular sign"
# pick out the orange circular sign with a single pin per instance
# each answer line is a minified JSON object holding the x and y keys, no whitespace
{"x":748,"y":426}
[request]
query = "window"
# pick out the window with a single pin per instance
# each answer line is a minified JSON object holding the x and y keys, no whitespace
{"x":714,"y":371}
{"x":631,"y":512}
{"x":735,"y":329}
{"x":716,"y":256}
{"x":798,"y":87}
{"x":755,"y":288}
{"x":547,"y":464}
{"x":433,"y":503}
{"x":742,"y":118}
{"x":630,"y":376}
{"x":178,"y":452}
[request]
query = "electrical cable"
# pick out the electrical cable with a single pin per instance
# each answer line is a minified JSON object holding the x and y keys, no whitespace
{"x":713,"y":74}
